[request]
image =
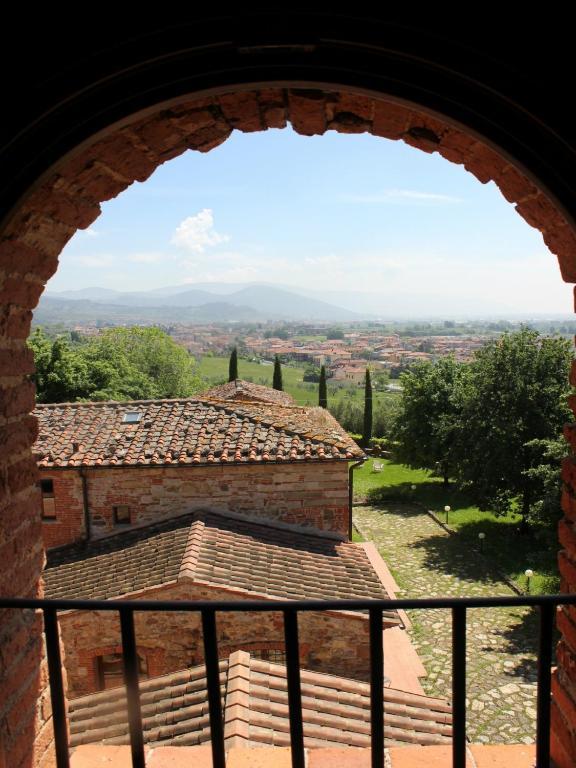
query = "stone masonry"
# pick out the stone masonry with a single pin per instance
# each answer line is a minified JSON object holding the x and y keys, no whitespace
{"x":305,"y":495}
{"x":336,"y":643}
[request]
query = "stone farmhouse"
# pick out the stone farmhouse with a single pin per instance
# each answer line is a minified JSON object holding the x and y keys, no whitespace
{"x":178,"y":500}
{"x":207,"y":556}
{"x":108,"y":467}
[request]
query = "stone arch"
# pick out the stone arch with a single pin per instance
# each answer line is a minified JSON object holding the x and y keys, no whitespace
{"x":68,"y":198}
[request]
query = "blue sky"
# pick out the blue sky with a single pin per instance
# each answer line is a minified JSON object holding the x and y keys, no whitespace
{"x":328,"y":213}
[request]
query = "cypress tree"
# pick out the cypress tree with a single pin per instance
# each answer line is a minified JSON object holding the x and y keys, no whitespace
{"x":322,"y":393}
{"x":367,"y":431}
{"x":233,"y":365}
{"x":277,"y":378}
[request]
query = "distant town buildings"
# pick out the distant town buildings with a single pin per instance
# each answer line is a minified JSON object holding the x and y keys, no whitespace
{"x":345,"y":358}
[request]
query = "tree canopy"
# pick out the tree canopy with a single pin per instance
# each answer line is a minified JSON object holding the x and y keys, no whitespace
{"x":233,"y":365}
{"x":367,"y":427}
{"x":516,"y":403}
{"x":429,"y":422}
{"x":493,"y":424}
{"x":322,"y":390}
{"x":118,"y":364}
{"x":277,"y":376}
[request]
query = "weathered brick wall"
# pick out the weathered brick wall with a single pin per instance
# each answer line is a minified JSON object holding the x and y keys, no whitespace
{"x":69,"y":198}
{"x":312,"y":495}
{"x":23,"y":692}
{"x":331,"y":643}
{"x":563,"y":742}
{"x":68,"y":525}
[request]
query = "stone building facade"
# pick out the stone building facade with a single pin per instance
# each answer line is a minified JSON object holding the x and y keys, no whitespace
{"x":206,"y":556}
{"x":108,"y":467}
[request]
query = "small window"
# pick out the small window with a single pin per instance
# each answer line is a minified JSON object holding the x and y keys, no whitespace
{"x":48,"y":503}
{"x":132,"y":417}
{"x":122,"y":515}
{"x":110,"y":670}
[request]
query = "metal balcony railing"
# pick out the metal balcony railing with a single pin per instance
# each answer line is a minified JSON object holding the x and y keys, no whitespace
{"x":546,"y":605}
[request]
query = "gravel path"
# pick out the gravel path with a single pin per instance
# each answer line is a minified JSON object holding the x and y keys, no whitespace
{"x":501,"y":643}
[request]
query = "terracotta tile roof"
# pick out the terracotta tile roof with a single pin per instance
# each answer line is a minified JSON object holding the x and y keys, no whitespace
{"x":187,"y":432}
{"x":263,"y":559}
{"x":336,"y":710}
{"x":246,"y":391}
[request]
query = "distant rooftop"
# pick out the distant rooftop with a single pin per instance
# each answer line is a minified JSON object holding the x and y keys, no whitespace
{"x":190,"y":431}
{"x":246,"y":391}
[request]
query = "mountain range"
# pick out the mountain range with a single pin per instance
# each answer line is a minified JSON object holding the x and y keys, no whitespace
{"x":200,"y":304}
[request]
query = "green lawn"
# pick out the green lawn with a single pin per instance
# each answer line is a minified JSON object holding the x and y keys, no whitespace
{"x":512,"y":551}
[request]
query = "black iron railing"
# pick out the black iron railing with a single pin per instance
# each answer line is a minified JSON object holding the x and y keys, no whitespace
{"x":546,"y":605}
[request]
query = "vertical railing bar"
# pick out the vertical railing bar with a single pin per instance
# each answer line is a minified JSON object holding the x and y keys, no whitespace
{"x":544,"y":682}
{"x":131,"y":674}
{"x":459,"y":687}
{"x":294,"y":688}
{"x":376,"y":688}
{"x":57,"y":697}
{"x":213,"y":686}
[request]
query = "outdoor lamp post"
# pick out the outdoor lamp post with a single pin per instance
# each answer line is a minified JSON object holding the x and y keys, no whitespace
{"x":528,"y":573}
{"x":447,"y":510}
{"x":481,"y":537}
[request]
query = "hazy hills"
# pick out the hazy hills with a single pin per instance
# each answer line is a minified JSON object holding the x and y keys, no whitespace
{"x":201,"y":304}
{"x":259,"y":302}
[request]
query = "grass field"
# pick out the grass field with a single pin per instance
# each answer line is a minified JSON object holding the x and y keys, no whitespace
{"x":214,"y":370}
{"x":512,"y":551}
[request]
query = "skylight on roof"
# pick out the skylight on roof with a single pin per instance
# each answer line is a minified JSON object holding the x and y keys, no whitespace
{"x":132,"y":417}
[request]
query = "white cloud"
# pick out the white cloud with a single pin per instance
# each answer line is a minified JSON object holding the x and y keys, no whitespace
{"x":196,"y":233}
{"x":402,"y":196}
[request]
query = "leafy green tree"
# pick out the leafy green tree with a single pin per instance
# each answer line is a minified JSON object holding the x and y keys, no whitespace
{"x":545,"y":480}
{"x":233,"y":365}
{"x":311,"y":373}
{"x":118,"y":364}
{"x":517,"y":395}
{"x":367,"y":427}
{"x":277,"y":376}
{"x":348,"y":413}
{"x":386,"y":411}
{"x":429,"y":422}
{"x":149,"y":364}
{"x":322,"y":390}
{"x":61,"y":373}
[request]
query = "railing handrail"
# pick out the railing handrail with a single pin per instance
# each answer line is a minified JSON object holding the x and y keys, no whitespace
{"x":290,"y":610}
{"x":265,"y":604}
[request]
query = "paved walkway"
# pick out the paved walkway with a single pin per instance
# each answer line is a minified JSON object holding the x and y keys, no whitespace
{"x":501,"y":643}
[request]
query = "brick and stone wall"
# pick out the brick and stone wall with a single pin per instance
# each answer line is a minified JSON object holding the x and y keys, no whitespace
{"x":335,"y":643}
{"x":311,"y":495}
{"x":69,"y":197}
{"x":563,"y":743}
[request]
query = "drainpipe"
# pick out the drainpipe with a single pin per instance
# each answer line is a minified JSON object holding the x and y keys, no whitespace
{"x":351,"y":469}
{"x":85,"y":503}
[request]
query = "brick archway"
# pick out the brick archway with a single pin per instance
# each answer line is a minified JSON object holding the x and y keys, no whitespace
{"x":68,"y":198}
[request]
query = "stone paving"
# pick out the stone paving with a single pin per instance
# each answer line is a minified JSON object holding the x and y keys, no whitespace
{"x":501,"y":643}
